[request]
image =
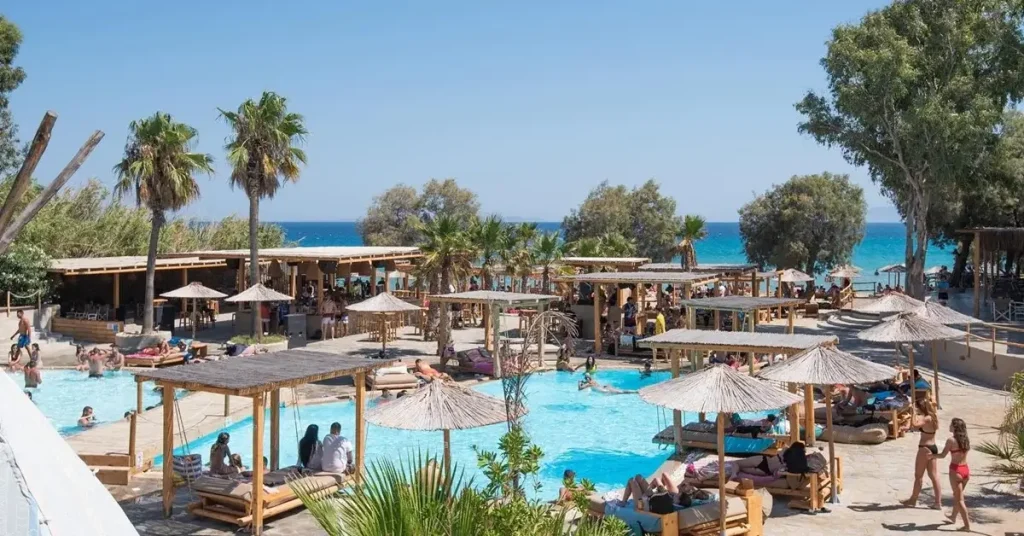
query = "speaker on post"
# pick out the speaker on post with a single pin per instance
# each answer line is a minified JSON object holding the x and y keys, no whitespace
{"x":163,"y":317}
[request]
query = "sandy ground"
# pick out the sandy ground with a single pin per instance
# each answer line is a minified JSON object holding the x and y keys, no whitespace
{"x":875,"y":477}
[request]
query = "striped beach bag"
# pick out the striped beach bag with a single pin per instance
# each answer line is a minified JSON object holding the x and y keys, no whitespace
{"x":187,"y":468}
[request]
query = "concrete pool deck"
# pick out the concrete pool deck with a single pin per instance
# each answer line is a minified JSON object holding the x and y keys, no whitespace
{"x":876,"y":477}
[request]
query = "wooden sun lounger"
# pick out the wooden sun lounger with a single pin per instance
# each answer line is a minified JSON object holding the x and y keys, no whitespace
{"x":172,"y":358}
{"x":708,"y":441}
{"x":230,"y":501}
{"x":899,"y":420}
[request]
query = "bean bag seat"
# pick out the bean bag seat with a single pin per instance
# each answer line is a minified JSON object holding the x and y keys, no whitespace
{"x":869,"y":434}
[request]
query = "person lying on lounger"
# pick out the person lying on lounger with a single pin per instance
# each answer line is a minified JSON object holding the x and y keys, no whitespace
{"x":427,"y":373}
{"x":569,"y":486}
{"x":661,"y":495}
{"x":754,"y":428}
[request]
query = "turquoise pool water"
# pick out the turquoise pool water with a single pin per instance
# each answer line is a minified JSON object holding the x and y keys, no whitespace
{"x":64,"y":393}
{"x":606,"y":438}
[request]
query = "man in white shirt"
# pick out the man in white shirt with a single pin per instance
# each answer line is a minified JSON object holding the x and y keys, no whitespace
{"x":337,"y":452}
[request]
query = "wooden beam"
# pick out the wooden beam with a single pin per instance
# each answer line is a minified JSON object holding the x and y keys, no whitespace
{"x":913,"y":390}
{"x":722,"y":504}
{"x":227,"y":405}
{"x":641,"y":298}
{"x":360,"y":454}
{"x":717,"y":320}
{"x":677,"y":416}
{"x":138,"y":398}
{"x":23,"y":180}
{"x":542,"y":333}
{"x":117,"y":290}
{"x":496,"y":338}
{"x":597,"y":319}
{"x":790,"y":322}
{"x":935,"y":375}
{"x":132,"y":432}
{"x":755,"y":285}
{"x":257,"y":464}
{"x":168,"y":465}
{"x":275,"y":429}
{"x":794,"y":420}
{"x":976,"y":261}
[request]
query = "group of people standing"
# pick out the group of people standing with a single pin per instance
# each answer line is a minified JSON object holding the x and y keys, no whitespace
{"x":928,"y":454}
{"x":31,"y":364}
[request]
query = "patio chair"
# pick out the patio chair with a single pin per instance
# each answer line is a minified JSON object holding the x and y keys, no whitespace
{"x":1001,"y":310}
{"x":1016,"y":310}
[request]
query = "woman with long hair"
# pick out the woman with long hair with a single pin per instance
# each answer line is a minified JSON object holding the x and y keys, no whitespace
{"x":959,"y":474}
{"x":310,"y":448}
{"x":927,"y":422}
{"x":220,"y":451}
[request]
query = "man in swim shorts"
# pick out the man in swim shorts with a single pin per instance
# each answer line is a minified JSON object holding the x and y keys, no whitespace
{"x":24,"y":333}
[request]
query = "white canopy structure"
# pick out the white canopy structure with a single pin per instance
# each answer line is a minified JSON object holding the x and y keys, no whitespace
{"x":45,"y":488}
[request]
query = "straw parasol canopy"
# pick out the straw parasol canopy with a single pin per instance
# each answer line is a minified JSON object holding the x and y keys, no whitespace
{"x":828,"y":366}
{"x":194,"y":291}
{"x":936,"y":312}
{"x":259,"y":293}
{"x":844,"y":272}
{"x":908,"y":327}
{"x":893,"y":269}
{"x":441,"y":406}
{"x":718,"y":389}
{"x":892,"y":303}
{"x":792,"y":275}
{"x":382,"y":305}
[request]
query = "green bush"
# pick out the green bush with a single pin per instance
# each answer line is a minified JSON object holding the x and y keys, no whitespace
{"x":23,"y":273}
{"x":249,"y":340}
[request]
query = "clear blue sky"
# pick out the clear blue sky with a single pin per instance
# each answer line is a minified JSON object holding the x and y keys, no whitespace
{"x":529,"y":104}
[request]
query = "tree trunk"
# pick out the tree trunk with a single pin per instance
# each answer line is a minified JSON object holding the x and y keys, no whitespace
{"x":444,"y":323}
{"x":915,"y":273}
{"x":546,"y":280}
{"x":431,"y":328}
{"x":254,"y":262}
{"x":154,"y":243}
{"x":522,"y":283}
{"x":963,"y":251}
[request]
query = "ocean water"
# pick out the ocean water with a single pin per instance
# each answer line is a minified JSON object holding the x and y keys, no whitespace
{"x":883,"y":243}
{"x":603,"y":437}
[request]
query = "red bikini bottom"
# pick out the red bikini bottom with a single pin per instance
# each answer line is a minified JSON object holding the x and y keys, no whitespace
{"x":961,"y":470}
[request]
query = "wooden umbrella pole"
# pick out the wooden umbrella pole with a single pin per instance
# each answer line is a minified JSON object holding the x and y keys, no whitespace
{"x":447,"y":451}
{"x":831,"y":444}
{"x":913,"y":386}
{"x":193,"y":319}
{"x":935,"y":376}
{"x":721,"y":471}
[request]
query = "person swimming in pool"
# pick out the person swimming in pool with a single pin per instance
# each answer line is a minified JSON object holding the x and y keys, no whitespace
{"x":589,"y":366}
{"x":88,"y":418}
{"x":588,"y":382}
{"x":646,"y":371}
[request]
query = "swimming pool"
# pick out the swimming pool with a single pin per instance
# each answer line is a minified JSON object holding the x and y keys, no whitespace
{"x":64,"y":393}
{"x":605,"y":438}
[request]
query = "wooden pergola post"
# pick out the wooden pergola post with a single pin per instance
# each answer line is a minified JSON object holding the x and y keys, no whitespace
{"x":168,"y":465}
{"x":542,"y":335}
{"x":184,"y":301}
{"x":488,"y":321}
{"x":360,"y":454}
{"x":138,"y":397}
{"x":275,"y":429}
{"x":755,"y":285}
{"x":597,"y":319}
{"x":641,"y":300}
{"x":320,"y":293}
{"x":293,"y":281}
{"x":935,"y":375}
{"x":913,"y":387}
{"x":809,"y":415}
{"x":976,"y":260}
{"x":794,"y":421}
{"x":257,"y":464}
{"x":677,"y":416}
{"x":496,"y":337}
{"x":373,"y":281}
{"x":778,"y":292}
{"x":718,"y":320}
{"x":791,"y":320}
{"x":752,"y":355}
{"x":117,"y":290}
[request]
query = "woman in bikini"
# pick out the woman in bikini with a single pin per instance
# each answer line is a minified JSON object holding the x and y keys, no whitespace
{"x":959,"y":474}
{"x":927,"y":422}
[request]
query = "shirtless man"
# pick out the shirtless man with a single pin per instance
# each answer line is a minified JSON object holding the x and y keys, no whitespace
{"x":96,"y":359}
{"x":88,"y":418}
{"x":115,"y":359}
{"x":32,"y":375}
{"x":427,"y":373}
{"x":24,"y":333}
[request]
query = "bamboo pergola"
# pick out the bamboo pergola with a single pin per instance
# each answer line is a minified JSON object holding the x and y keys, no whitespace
{"x":747,"y":305}
{"x":116,"y":266}
{"x":617,"y":263}
{"x":686,"y":279}
{"x":493,"y":301}
{"x":987,"y":248}
{"x":257,"y":377}
{"x":695,"y":342}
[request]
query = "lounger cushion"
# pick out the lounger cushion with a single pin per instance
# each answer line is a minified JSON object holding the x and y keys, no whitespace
{"x":868,"y":434}
{"x":688,"y":517}
{"x":276,"y":485}
{"x":391,"y":380}
{"x":733,"y":444}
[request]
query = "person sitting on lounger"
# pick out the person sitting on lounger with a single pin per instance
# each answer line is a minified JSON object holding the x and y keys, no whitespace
{"x":661,"y":495}
{"x":218,"y":453}
{"x":337,"y":452}
{"x":88,"y":418}
{"x":646,"y":371}
{"x":569,"y":486}
{"x":427,"y":373}
{"x":755,"y":428}
{"x":310,"y":448}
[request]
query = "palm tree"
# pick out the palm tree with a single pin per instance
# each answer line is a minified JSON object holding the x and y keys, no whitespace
{"x":448,"y":254}
{"x":262,"y":152}
{"x":159,"y":167}
{"x":508,"y":250}
{"x":689,"y":233}
{"x":486,"y":236}
{"x":547,"y":250}
{"x":526,"y":234}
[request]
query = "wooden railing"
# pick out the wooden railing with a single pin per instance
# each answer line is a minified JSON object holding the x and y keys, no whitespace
{"x":992,"y":330}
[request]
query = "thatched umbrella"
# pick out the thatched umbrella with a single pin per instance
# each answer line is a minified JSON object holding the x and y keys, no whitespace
{"x":441,"y":406}
{"x":194,"y":291}
{"x":936,"y":312}
{"x":844,"y":272}
{"x":827,"y":366}
{"x":909,"y":328}
{"x":382,"y":305}
{"x":892,"y":303}
{"x":890,"y":269}
{"x":792,"y":275}
{"x":259,"y":293}
{"x":718,"y":389}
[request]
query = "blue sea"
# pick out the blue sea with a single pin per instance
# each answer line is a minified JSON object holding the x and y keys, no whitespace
{"x":883,"y":243}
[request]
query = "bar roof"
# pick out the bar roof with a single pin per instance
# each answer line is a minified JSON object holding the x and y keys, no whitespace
{"x":640,"y":277}
{"x":632,"y":262}
{"x":121,"y":265}
{"x":738,"y":341}
{"x":493,"y":296}
{"x":700,"y":268}
{"x":246,"y":376}
{"x":740,"y":303}
{"x":343,"y":254}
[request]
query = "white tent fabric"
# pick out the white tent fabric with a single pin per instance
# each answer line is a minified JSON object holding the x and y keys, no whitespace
{"x":54,"y":493}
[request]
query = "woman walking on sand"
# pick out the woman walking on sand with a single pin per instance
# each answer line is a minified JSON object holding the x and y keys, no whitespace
{"x":927,"y":422}
{"x":959,"y":474}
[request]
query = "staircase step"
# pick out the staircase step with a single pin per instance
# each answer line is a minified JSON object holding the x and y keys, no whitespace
{"x":114,"y":476}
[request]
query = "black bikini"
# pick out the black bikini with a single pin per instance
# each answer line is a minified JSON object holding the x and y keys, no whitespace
{"x":932,"y":448}
{"x":763,"y":465}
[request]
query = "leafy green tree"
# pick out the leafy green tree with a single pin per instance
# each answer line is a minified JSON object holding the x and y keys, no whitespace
{"x":810,"y":222}
{"x":547,"y":250}
{"x":642,"y":215}
{"x":23,"y":273}
{"x":158,"y":169}
{"x":263,"y":152}
{"x":689,"y":233}
{"x":394,"y":218}
{"x":917,"y":90}
{"x":11,"y":77}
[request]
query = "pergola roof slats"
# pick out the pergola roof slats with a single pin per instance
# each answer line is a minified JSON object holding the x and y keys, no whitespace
{"x":700,"y":268}
{"x":493,"y":296}
{"x":741,"y":303}
{"x":640,"y":277}
{"x":343,"y":254}
{"x":631,"y":262}
{"x":129,"y":264}
{"x":251,"y":375}
{"x":740,"y":341}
